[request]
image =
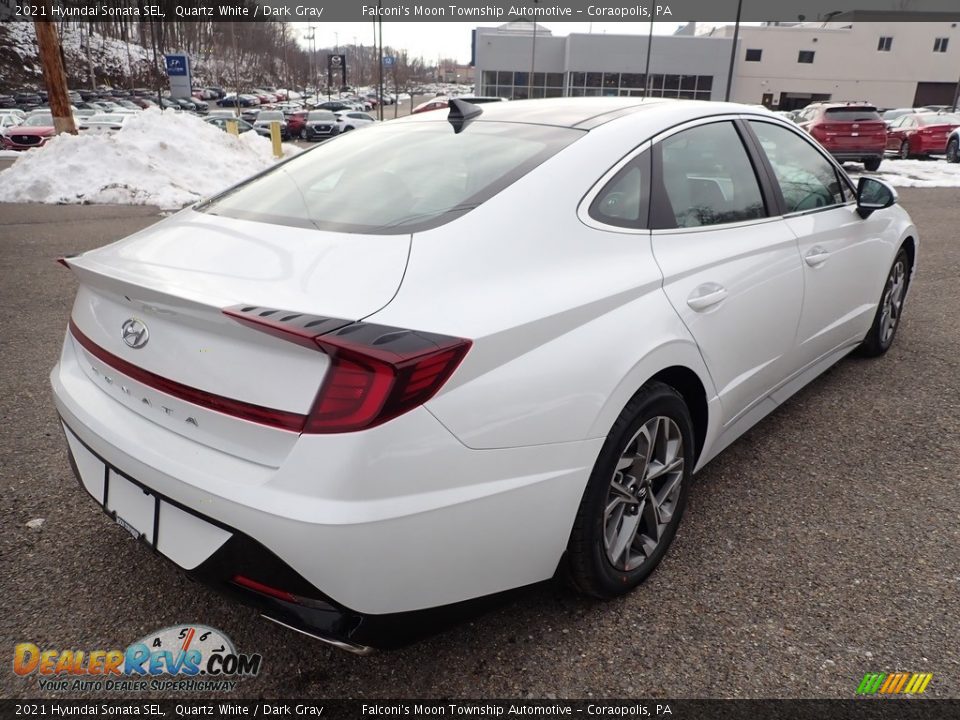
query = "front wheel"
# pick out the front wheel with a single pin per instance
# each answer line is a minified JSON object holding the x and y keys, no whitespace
{"x":871,"y":164}
{"x":904,"y":150}
{"x":953,"y":150}
{"x":889,"y":311}
{"x":635,"y":497}
{"x":303,"y":134}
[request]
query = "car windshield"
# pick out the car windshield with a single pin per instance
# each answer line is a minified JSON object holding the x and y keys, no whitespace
{"x":39,"y":120}
{"x":943,"y":119}
{"x":851,"y":114}
{"x":393,"y":180}
{"x":321,"y":115}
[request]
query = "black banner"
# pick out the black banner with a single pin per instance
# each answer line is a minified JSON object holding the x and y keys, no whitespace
{"x":616,"y":709}
{"x":674,"y":11}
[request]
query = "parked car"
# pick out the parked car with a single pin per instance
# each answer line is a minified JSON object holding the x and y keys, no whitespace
{"x":890,"y":115}
{"x":296,"y":119}
{"x":351,"y":120}
{"x":334,"y":105}
{"x":35,"y":131}
{"x":27,"y":100}
{"x":7,"y":101}
{"x":849,"y":131}
{"x":457,"y":447}
{"x":8,"y":121}
{"x":437,"y":103}
{"x":921,"y":134}
{"x":13,"y":111}
{"x":268,"y":117}
{"x":142,"y":102}
{"x":104,"y":123}
{"x":231,"y":100}
{"x":319,"y":125}
{"x":221,"y":121}
{"x":169,"y":104}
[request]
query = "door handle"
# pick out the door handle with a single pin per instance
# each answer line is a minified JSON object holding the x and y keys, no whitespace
{"x":706,"y":296}
{"x":816,"y":256}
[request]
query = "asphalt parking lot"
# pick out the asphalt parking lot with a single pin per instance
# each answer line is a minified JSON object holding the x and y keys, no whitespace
{"x":821,"y":546}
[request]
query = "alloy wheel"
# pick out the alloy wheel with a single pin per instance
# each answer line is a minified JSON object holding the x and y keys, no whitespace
{"x":953,"y":151}
{"x":643,"y":493}
{"x":893,"y":302}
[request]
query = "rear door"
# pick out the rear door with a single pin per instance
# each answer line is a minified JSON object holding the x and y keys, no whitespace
{"x":841,"y":252}
{"x":730,"y":264}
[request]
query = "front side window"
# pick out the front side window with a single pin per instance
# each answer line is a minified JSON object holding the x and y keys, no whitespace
{"x":807,"y":179}
{"x":708,"y":178}
{"x":394,"y":178}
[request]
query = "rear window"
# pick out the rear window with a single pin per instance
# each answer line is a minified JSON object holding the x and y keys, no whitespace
{"x":851,"y":114}
{"x":393,"y":179}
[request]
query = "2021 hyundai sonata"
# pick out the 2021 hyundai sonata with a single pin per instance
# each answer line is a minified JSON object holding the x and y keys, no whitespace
{"x":460,"y":352}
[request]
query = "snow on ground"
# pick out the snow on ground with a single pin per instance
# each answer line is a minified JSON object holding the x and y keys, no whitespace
{"x":935,"y":172}
{"x":165,"y":159}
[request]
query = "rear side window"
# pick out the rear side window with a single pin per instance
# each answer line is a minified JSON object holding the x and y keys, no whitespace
{"x":394,"y":178}
{"x":624,"y":200}
{"x":708,"y":179}
{"x":807,"y":179}
{"x":851,"y":114}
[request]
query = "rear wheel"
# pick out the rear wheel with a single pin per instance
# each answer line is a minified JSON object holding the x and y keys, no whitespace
{"x":635,"y":498}
{"x":871,"y":164}
{"x":904,"y":150}
{"x":887,"y":319}
{"x":953,"y":150}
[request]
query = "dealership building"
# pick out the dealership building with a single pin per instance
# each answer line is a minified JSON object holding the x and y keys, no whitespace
{"x":854,"y":56}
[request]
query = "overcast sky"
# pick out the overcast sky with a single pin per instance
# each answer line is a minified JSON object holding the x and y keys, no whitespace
{"x":452,"y":39}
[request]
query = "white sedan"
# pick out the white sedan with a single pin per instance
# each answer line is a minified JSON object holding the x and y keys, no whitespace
{"x":104,"y":122}
{"x":462,"y":350}
{"x":353,"y":120}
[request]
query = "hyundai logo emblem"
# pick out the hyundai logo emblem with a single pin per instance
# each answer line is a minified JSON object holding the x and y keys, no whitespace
{"x":135,"y":333}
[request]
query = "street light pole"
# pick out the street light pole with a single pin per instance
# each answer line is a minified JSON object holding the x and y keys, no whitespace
{"x":646,"y":72}
{"x":733,"y":50}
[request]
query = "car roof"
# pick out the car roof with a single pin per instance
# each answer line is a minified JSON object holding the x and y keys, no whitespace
{"x":585,"y":112}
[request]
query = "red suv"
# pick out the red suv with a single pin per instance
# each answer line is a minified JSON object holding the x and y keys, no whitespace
{"x":921,"y":133}
{"x":848,"y":131}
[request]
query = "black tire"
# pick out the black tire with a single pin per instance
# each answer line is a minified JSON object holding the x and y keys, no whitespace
{"x":953,"y":150}
{"x":878,"y":339}
{"x":904,"y":153}
{"x":303,"y":133}
{"x":872,"y":164}
{"x":588,"y":567}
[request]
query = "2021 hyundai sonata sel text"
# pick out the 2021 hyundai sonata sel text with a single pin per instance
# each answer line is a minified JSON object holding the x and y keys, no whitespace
{"x":458,"y":352}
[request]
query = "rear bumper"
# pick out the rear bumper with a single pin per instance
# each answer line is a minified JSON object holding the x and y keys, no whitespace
{"x":398,"y":519}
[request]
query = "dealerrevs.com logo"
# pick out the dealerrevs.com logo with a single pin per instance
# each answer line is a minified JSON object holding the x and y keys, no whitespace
{"x":180,"y":658}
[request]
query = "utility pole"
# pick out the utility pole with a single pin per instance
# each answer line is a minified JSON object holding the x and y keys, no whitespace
{"x":956,"y":97}
{"x":533,"y":58}
{"x":733,"y":50}
{"x":236,"y":71}
{"x":53,"y":74}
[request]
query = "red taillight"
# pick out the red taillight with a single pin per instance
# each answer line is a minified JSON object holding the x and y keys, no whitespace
{"x":376,"y":372}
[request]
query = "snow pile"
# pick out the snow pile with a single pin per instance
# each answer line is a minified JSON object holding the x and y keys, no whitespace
{"x":918,"y":173}
{"x":164,"y":159}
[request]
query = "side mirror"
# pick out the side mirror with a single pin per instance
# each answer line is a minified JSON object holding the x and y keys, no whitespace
{"x":873,"y":194}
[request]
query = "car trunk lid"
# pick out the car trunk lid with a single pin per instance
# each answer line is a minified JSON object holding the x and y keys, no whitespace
{"x":198,"y":372}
